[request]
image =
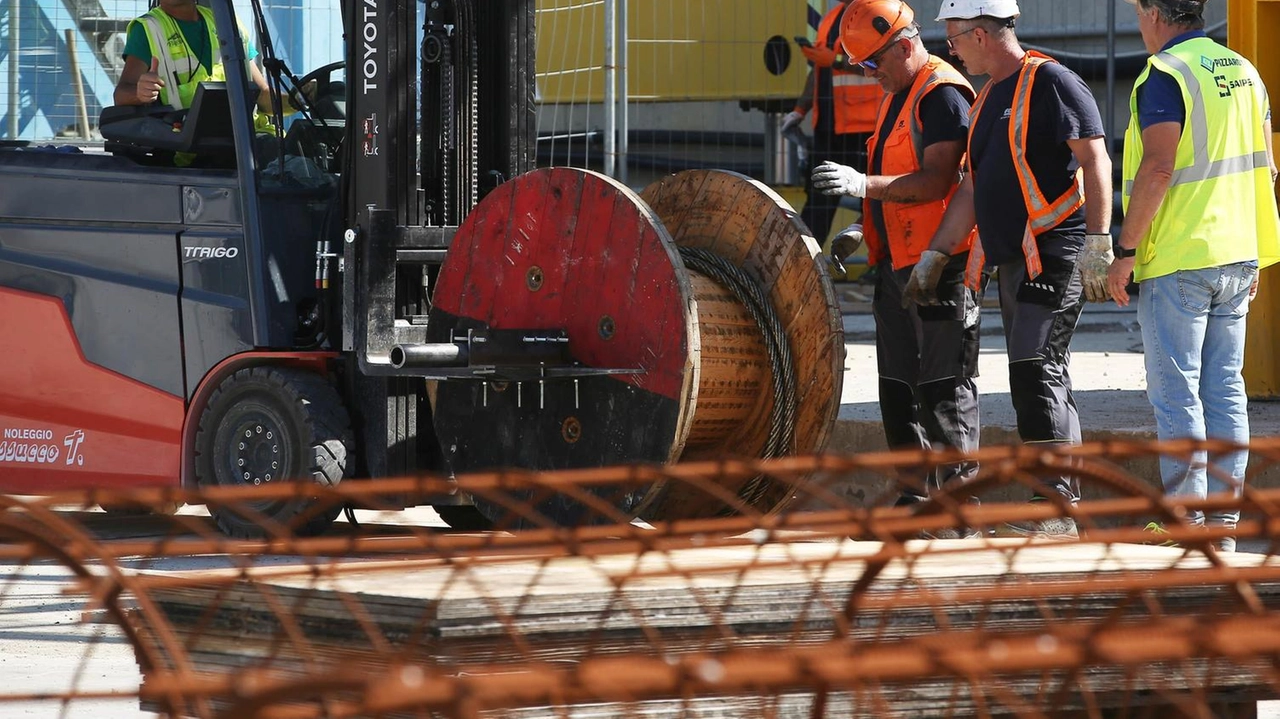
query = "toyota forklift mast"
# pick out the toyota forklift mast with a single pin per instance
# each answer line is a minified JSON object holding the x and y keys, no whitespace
{"x":440,"y":98}
{"x":495,"y":315}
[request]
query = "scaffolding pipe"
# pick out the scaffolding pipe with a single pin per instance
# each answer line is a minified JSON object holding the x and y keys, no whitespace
{"x":610,"y":84}
{"x":14,"y":36}
{"x":624,"y":122}
{"x":82,"y":110}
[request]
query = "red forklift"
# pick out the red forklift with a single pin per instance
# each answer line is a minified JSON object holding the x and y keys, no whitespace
{"x":387,"y":286}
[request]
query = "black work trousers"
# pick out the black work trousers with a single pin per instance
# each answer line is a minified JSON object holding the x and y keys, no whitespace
{"x":927,"y":358}
{"x":819,"y":209}
{"x":1040,"y":318}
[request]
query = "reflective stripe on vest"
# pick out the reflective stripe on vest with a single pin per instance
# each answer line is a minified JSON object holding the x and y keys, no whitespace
{"x":177,"y":59}
{"x":1203,"y":167}
{"x":910,"y":227}
{"x":1042,"y":215}
{"x":1220,"y":206}
{"x":854,"y":96}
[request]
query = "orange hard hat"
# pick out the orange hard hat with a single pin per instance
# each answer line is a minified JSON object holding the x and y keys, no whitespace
{"x":869,"y":24}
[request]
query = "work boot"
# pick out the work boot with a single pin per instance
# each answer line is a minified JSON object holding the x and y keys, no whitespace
{"x":909,"y":499}
{"x":1223,"y":544}
{"x":1060,"y":528}
{"x":950,"y":533}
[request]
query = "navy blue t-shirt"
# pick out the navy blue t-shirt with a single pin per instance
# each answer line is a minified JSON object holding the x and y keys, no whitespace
{"x":944,"y":116}
{"x":1062,"y":108}
{"x":1160,"y":98}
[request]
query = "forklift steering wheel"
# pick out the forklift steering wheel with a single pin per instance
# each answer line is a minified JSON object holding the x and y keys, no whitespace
{"x":327,"y":104}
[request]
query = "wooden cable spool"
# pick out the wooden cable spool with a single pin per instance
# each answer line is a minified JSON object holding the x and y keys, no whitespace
{"x":752,"y":228}
{"x":574,"y":250}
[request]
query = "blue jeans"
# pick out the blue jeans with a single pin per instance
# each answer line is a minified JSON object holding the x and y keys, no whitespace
{"x":1193,"y":328}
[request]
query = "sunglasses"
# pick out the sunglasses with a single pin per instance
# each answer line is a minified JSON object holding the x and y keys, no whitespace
{"x":872,"y":63}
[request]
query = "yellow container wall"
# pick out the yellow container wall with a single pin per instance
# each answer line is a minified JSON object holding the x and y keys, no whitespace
{"x":678,"y":50}
{"x":1251,"y":28}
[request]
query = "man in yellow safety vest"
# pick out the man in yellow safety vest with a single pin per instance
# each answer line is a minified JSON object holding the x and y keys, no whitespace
{"x":1200,"y":221}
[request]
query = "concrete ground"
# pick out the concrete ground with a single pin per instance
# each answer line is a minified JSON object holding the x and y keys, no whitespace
{"x":48,"y":644}
{"x":1107,"y":374}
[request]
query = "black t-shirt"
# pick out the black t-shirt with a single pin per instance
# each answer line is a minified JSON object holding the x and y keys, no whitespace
{"x":944,"y":116}
{"x":824,"y":90}
{"x":1062,"y":108}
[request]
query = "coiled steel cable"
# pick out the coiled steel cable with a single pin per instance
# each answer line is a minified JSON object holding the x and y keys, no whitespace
{"x":782,"y":415}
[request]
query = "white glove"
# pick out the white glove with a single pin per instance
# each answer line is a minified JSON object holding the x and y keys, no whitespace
{"x":791,"y":119}
{"x":1095,"y":260}
{"x":835,"y":179}
{"x":922,"y":287}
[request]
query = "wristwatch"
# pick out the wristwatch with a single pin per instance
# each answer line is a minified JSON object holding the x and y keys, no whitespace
{"x":1122,"y":253}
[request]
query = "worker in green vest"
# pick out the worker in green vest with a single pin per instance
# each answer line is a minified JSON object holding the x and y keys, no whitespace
{"x":170,"y":50}
{"x":1200,"y":222}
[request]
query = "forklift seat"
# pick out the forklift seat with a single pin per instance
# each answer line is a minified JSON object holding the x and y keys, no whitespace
{"x":205,"y":129}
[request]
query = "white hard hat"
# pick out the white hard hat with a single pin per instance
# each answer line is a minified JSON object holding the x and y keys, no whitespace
{"x":969,"y":9}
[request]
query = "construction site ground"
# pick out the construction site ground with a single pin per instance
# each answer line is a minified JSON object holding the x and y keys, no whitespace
{"x":44,"y":635}
{"x":1107,"y":374}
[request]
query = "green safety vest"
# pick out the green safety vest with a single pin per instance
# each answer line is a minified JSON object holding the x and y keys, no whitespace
{"x":179,"y":61}
{"x":179,"y":66}
{"x":1220,"y":207}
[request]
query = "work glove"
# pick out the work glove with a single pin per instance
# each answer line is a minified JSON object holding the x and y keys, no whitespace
{"x":846,"y":242}
{"x":922,"y":287}
{"x":793,"y":134}
{"x":791,"y":120}
{"x":1095,"y":260}
{"x":835,"y":179}
{"x":820,"y":56}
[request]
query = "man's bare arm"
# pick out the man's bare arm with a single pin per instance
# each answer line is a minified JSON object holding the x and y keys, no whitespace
{"x":940,"y":165}
{"x":1151,"y":183}
{"x":1095,"y":165}
{"x":126,"y":92}
{"x":805,"y":102}
{"x":1271,"y":155}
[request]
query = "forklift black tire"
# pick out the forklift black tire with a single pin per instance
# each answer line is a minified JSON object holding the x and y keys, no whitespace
{"x":265,"y":424}
{"x":463,"y":517}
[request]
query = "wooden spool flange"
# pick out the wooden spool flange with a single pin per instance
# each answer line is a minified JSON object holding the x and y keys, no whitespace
{"x":748,"y":224}
{"x":574,"y":250}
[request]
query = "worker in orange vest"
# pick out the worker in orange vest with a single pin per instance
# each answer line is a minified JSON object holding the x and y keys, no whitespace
{"x":1036,"y":134}
{"x":927,"y":355}
{"x":842,"y":102}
